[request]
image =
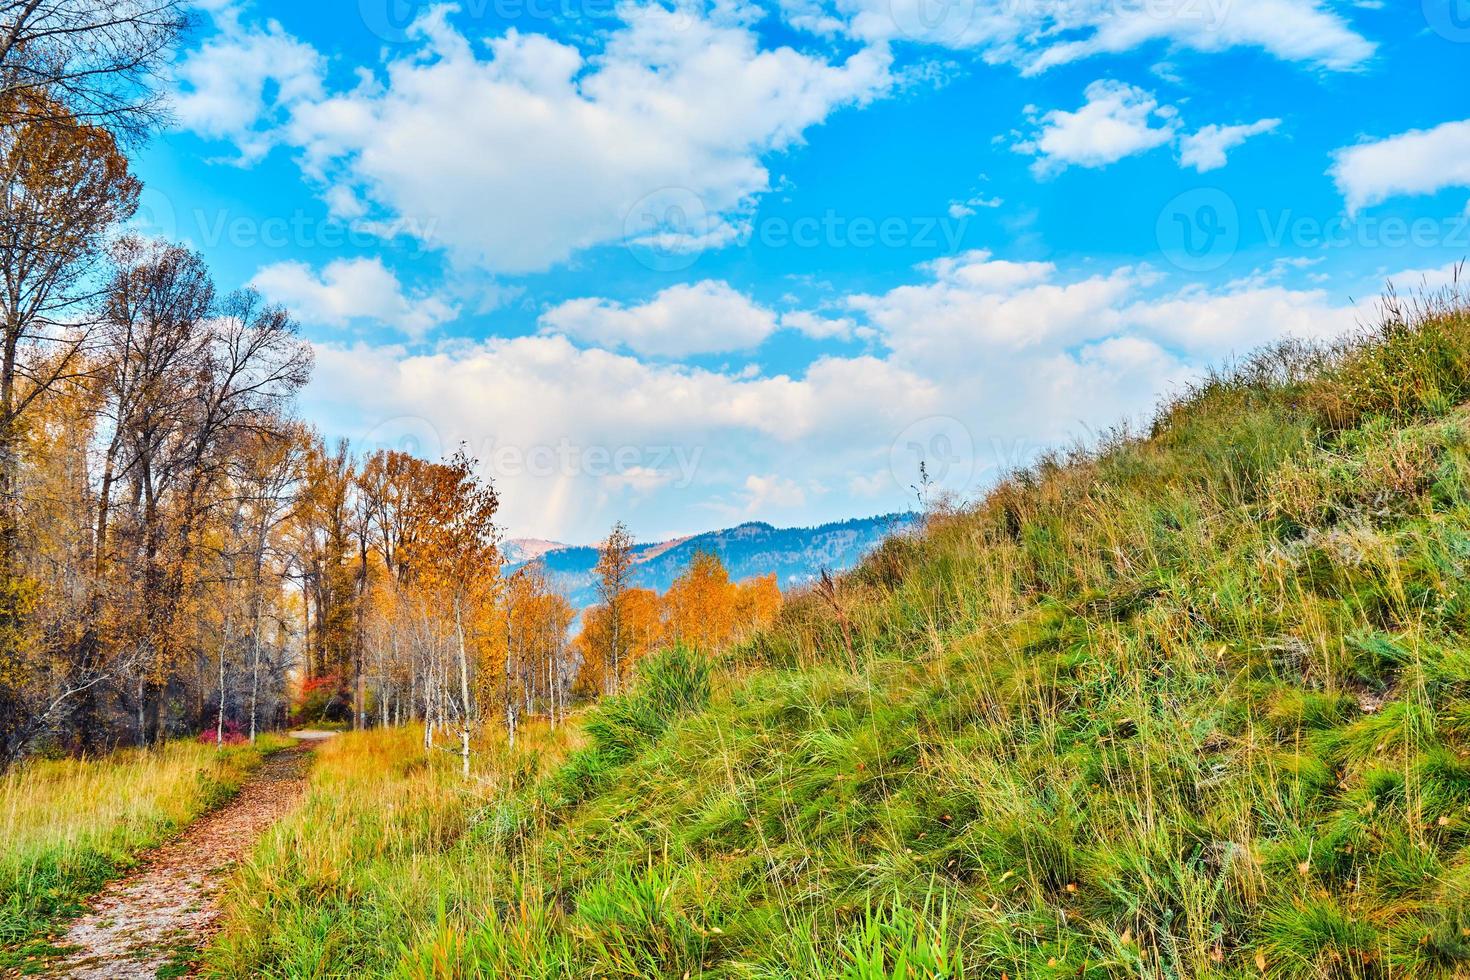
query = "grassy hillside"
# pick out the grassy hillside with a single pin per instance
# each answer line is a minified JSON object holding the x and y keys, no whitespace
{"x":1191,"y":704}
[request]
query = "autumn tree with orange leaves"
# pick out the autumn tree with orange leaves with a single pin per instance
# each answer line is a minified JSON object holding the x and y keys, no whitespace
{"x":703,"y":610}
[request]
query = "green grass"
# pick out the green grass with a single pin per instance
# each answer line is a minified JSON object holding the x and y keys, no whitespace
{"x":70,"y":826}
{"x":1194,"y":703}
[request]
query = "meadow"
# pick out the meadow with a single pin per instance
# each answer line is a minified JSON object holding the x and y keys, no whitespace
{"x":71,"y":825}
{"x":1192,"y":702}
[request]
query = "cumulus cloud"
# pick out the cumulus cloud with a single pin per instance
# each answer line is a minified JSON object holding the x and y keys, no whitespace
{"x":1116,"y":120}
{"x":1006,"y":353}
{"x":658,"y":131}
{"x":244,"y":81}
{"x":1215,"y":324}
{"x":350,"y":291}
{"x":1205,"y":150}
{"x":707,"y":317}
{"x":521,"y":405}
{"x":966,"y":208}
{"x":1420,"y":161}
{"x":822,"y":327}
{"x":1040,"y":36}
{"x":1119,"y":120}
{"x":1449,"y":276}
{"x":973,"y":303}
{"x":657,"y":136}
{"x":765,"y":493}
{"x":703,"y":318}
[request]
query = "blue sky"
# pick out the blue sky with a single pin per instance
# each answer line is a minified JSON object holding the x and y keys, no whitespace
{"x":690,"y":264}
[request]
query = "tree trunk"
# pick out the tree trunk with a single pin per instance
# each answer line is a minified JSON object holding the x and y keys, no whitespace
{"x":428,"y":712}
{"x":464,"y":687}
{"x":219,"y":726}
{"x":254,"y":687}
{"x":104,"y":504}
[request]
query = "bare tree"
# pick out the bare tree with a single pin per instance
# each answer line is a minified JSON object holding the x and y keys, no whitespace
{"x":189,"y":382}
{"x":97,"y":61}
{"x":614,"y":570}
{"x":154,"y":330}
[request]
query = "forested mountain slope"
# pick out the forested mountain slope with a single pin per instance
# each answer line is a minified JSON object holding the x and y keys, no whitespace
{"x":795,"y":555}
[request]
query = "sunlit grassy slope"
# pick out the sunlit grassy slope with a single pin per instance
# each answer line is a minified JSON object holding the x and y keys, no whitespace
{"x":68,"y":826}
{"x":1194,"y":703}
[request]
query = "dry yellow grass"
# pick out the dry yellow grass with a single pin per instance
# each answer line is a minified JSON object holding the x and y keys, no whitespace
{"x":69,"y":825}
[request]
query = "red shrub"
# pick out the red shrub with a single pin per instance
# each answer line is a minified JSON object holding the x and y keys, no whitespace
{"x":234,"y":734}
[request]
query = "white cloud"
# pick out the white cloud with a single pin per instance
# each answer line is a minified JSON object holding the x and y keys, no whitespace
{"x":966,"y":208}
{"x":1042,"y":35}
{"x":1119,"y":120}
{"x":871,"y":484}
{"x":975,"y":305}
{"x":1215,"y":324}
{"x":1205,"y":150}
{"x":1421,"y":161}
{"x":822,"y":328}
{"x":639,"y":479}
{"x":978,"y":308}
{"x":524,"y":399}
{"x":772,"y":492}
{"x":1293,"y":30}
{"x":349,"y":291}
{"x":1116,"y":121}
{"x":1007,"y":354}
{"x":517,"y":159}
{"x":707,"y":317}
{"x":658,"y":131}
{"x":703,"y":318}
{"x":1431,"y":280}
{"x":244,"y":80}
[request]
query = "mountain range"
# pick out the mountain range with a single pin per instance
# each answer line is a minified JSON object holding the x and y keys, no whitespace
{"x":796,"y":555}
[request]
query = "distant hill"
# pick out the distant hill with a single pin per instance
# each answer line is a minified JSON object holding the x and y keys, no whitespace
{"x":796,"y":554}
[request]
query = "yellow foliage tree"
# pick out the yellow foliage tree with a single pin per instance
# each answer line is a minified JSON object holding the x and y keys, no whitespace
{"x":643,"y":631}
{"x":702,"y":610}
{"x":757,"y":601}
{"x":701,"y":605}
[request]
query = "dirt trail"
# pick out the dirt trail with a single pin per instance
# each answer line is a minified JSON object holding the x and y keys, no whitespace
{"x":169,"y":902}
